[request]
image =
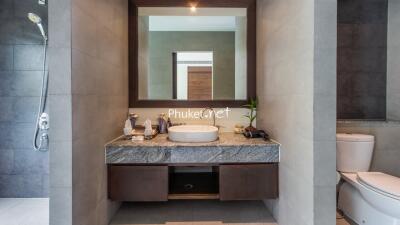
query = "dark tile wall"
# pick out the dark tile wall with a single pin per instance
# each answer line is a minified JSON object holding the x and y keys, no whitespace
{"x":361,"y":59}
{"x":23,"y":172}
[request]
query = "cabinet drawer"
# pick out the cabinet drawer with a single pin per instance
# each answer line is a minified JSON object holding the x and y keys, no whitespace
{"x":248,"y":182}
{"x":138,"y":183}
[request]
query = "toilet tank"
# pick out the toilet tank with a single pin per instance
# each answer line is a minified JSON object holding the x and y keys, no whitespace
{"x":354,"y":152}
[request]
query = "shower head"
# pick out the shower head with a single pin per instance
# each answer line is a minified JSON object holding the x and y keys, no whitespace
{"x":38,"y":21}
{"x":34,"y":18}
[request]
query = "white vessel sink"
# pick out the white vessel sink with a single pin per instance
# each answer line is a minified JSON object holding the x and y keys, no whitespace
{"x":193,"y":133}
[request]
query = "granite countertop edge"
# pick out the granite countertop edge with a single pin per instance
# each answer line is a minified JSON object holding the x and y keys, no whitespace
{"x":230,"y":147}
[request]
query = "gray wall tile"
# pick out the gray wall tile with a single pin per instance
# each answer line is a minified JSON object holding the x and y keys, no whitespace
{"x":6,"y":57}
{"x":61,"y":164}
{"x":60,"y":70}
{"x":386,"y":155}
{"x":24,"y":172}
{"x":6,"y":9}
{"x":7,"y":31}
{"x":373,"y":11}
{"x":28,"y":57}
{"x":60,"y":23}
{"x":369,"y":35}
{"x":27,"y":161}
{"x":345,"y":36}
{"x":99,"y":99}
{"x":27,"y":83}
{"x":61,"y":118}
{"x":45,"y":184}
{"x":60,"y":111}
{"x":22,"y":8}
{"x":84,"y":33}
{"x":61,"y":206}
{"x":6,"y":161}
{"x":6,"y":81}
{"x":20,"y":83}
{"x":393,"y":78}
{"x":16,"y":135}
{"x":299,"y":36}
{"x":25,"y":32}
{"x":348,"y":11}
{"x":21,"y":186}
{"x":362,"y":59}
{"x":19,"y":109}
{"x":74,"y":104}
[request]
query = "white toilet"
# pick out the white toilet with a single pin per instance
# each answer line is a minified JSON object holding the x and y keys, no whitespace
{"x":368,"y":198}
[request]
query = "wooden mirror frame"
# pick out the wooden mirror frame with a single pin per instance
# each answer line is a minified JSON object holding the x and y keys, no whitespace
{"x":135,"y":102}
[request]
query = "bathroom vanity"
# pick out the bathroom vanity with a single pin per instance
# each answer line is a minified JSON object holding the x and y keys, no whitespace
{"x":231,"y":168}
{"x":189,"y":69}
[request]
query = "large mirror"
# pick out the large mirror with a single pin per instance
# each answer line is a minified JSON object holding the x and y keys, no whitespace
{"x":190,"y":54}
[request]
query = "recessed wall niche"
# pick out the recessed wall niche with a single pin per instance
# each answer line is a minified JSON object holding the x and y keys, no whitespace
{"x":362,"y":59}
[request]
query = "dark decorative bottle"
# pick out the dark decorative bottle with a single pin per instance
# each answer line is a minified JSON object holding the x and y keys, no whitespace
{"x":162,"y":124}
{"x":133,"y":118}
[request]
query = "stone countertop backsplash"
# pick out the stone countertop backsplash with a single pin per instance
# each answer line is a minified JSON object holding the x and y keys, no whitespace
{"x":229,"y":148}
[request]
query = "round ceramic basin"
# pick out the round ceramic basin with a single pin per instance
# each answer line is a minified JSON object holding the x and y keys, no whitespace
{"x":193,"y":133}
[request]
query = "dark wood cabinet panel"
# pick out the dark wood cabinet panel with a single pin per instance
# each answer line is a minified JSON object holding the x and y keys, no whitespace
{"x":138,"y":183}
{"x":248,"y":182}
{"x":232,"y":182}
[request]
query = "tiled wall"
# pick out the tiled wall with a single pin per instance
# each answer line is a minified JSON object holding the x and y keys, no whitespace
{"x":99,"y":101}
{"x":393,"y":65}
{"x":386,"y":155}
{"x":88,"y":104}
{"x":60,"y":107}
{"x":296,"y":86}
{"x":361,"y":65}
{"x":23,"y":172}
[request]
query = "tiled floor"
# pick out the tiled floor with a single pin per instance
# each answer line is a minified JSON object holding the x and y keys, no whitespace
{"x":24,"y":211}
{"x":194,"y":213}
{"x":35,"y":211}
{"x":340,"y":220}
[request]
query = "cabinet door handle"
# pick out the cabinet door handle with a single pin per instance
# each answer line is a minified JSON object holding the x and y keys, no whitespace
{"x":188,"y":186}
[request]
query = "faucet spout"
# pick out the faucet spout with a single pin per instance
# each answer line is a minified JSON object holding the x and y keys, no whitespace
{"x":212,"y":112}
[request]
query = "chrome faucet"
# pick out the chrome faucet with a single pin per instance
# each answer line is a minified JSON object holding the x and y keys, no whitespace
{"x":212,"y":112}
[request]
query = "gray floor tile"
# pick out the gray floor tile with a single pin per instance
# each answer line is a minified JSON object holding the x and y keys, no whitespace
{"x":194,"y":213}
{"x":24,"y":211}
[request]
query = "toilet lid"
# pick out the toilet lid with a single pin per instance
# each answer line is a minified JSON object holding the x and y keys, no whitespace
{"x":384,"y":183}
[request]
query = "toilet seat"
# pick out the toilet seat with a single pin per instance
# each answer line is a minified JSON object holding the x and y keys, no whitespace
{"x":367,"y":192}
{"x":381,"y":183}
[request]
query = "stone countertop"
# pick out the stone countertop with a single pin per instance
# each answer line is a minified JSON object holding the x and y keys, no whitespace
{"x":229,"y":148}
{"x":225,"y":139}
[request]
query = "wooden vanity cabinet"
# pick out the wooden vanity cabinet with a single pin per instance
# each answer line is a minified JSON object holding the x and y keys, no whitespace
{"x":138,"y":183}
{"x":248,"y":181}
{"x":154,"y":183}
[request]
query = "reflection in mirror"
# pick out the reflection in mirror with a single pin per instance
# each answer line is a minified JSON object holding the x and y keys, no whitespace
{"x":192,"y":55}
{"x":193,"y":76}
